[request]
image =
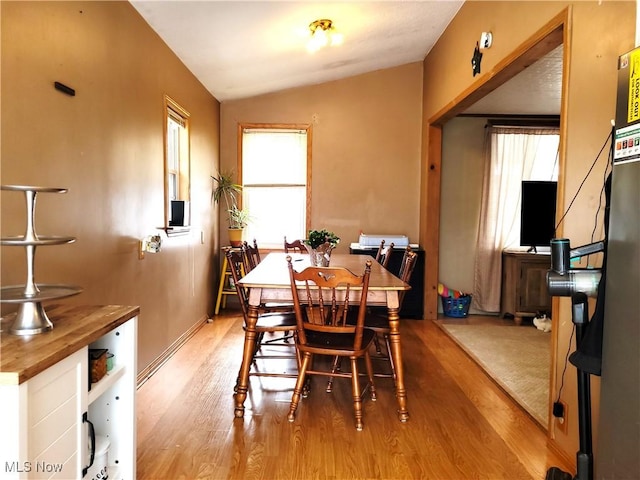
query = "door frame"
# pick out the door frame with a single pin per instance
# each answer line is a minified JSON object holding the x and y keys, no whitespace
{"x":554,"y":33}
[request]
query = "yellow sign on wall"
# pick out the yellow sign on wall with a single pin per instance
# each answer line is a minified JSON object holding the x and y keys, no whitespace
{"x":633,"y":113}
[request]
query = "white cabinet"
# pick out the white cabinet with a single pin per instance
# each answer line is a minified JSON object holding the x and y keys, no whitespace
{"x":43,"y":414}
{"x":112,"y":401}
{"x":41,"y":409}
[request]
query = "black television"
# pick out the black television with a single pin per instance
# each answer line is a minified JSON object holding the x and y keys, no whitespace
{"x":537,"y":213}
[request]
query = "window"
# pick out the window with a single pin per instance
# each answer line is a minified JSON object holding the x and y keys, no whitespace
{"x":275,"y":170}
{"x":176,"y":165}
{"x":512,"y":155}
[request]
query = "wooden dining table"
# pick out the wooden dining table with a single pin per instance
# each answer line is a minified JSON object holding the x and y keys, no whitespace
{"x":269,"y":282}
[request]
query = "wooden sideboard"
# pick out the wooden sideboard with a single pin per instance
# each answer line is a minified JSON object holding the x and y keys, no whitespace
{"x":524,"y":284}
{"x":47,"y":398}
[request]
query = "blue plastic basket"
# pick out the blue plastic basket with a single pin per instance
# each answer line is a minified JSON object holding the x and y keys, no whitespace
{"x":456,"y":307}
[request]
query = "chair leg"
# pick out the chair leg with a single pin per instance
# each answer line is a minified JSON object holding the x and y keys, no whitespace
{"x":306,"y":389}
{"x":356,"y":393}
{"x":334,"y":368}
{"x":297,"y":390}
{"x":258,"y":345}
{"x":393,"y":365}
{"x":369,"y":365}
{"x":376,"y":342}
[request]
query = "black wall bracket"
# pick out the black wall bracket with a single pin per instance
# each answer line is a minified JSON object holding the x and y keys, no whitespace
{"x":64,"y":89}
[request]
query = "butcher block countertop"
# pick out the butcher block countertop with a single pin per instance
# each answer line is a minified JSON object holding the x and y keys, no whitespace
{"x":74,"y":327}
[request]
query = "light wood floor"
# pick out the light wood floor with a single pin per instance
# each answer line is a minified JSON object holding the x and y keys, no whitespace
{"x":461,"y":426}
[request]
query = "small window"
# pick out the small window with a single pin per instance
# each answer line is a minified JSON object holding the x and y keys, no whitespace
{"x":275,"y":166}
{"x":177,"y":189}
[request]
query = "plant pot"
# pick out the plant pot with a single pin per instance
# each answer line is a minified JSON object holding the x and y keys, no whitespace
{"x":235,"y":237}
{"x":320,"y":257}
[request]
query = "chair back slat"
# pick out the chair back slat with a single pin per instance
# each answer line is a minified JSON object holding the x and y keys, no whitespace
{"x":386,"y":255}
{"x":297,"y":246}
{"x":380,"y":251}
{"x":329,"y":294}
{"x":251,"y":255}
{"x":383,"y":255}
{"x":406,"y":270}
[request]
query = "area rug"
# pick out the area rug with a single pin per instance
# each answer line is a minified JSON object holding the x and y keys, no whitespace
{"x":518,"y":358}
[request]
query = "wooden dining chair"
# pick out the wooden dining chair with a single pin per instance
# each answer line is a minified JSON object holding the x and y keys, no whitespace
{"x":386,"y":255}
{"x":297,"y":246}
{"x":251,"y":255}
{"x":377,"y":317}
{"x":380,"y":251}
{"x":276,"y":324}
{"x":322,"y":298}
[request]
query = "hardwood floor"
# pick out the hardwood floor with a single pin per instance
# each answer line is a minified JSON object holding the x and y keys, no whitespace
{"x":461,"y":424}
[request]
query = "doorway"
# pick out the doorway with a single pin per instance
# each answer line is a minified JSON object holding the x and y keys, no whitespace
{"x":543,"y":42}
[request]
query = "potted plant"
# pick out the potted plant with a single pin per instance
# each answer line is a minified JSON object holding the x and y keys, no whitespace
{"x":319,"y":243}
{"x":225,"y":188}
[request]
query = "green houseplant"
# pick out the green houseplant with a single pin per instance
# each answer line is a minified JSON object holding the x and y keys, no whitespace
{"x":319,"y":243}
{"x":318,"y":237}
{"x":225,"y":189}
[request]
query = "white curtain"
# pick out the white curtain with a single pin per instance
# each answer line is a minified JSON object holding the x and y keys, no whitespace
{"x":512,"y":154}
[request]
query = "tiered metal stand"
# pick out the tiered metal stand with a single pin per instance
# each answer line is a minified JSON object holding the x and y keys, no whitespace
{"x":31,"y":317}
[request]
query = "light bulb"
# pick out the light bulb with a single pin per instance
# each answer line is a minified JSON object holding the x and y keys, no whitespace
{"x":336,"y":39}
{"x":317,"y":40}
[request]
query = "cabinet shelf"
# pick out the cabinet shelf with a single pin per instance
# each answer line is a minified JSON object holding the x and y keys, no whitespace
{"x":106,"y":382}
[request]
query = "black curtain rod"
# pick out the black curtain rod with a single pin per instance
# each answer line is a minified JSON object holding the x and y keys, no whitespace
{"x":519,"y":120}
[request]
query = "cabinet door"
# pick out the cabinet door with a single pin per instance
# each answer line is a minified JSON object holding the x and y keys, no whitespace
{"x":57,"y":399}
{"x":533,"y":291}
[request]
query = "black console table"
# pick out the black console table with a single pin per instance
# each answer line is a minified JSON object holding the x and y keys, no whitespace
{"x":413,"y":303}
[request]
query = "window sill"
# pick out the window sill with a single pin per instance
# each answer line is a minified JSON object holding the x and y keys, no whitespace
{"x":175,"y":231}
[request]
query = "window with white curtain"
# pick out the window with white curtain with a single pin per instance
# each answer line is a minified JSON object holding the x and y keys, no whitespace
{"x":512,"y":154}
{"x":275,"y":172}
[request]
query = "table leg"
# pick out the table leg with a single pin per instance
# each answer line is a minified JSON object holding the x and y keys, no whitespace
{"x":247,"y":357}
{"x":396,"y":353}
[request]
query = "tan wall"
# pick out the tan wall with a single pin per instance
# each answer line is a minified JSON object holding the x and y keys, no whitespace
{"x":597,"y":32}
{"x":366,"y":148}
{"x":106,"y":146}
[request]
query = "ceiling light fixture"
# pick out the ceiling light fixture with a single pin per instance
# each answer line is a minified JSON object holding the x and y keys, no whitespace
{"x":322,"y":34}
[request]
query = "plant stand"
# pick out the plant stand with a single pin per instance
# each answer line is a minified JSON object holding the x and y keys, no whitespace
{"x":226,"y":286}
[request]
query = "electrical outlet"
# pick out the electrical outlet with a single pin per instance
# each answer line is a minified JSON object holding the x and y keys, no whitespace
{"x":563,"y":421}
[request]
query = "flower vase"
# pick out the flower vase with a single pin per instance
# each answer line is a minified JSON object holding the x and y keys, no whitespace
{"x":321,"y":255}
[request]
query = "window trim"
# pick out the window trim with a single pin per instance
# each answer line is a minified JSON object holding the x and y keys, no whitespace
{"x":280,"y":126}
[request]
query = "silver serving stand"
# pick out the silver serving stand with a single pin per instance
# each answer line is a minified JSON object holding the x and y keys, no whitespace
{"x":31,"y":317}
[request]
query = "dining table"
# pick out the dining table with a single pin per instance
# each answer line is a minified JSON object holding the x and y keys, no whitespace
{"x":269,"y":282}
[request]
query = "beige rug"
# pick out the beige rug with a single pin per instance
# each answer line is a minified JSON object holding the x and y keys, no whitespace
{"x":518,"y":358}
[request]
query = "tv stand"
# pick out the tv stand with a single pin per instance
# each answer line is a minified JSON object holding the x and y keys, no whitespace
{"x":532,"y":249}
{"x":524,"y":284}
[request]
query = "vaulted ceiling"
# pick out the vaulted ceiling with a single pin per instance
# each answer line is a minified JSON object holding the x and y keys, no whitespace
{"x":240,"y":49}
